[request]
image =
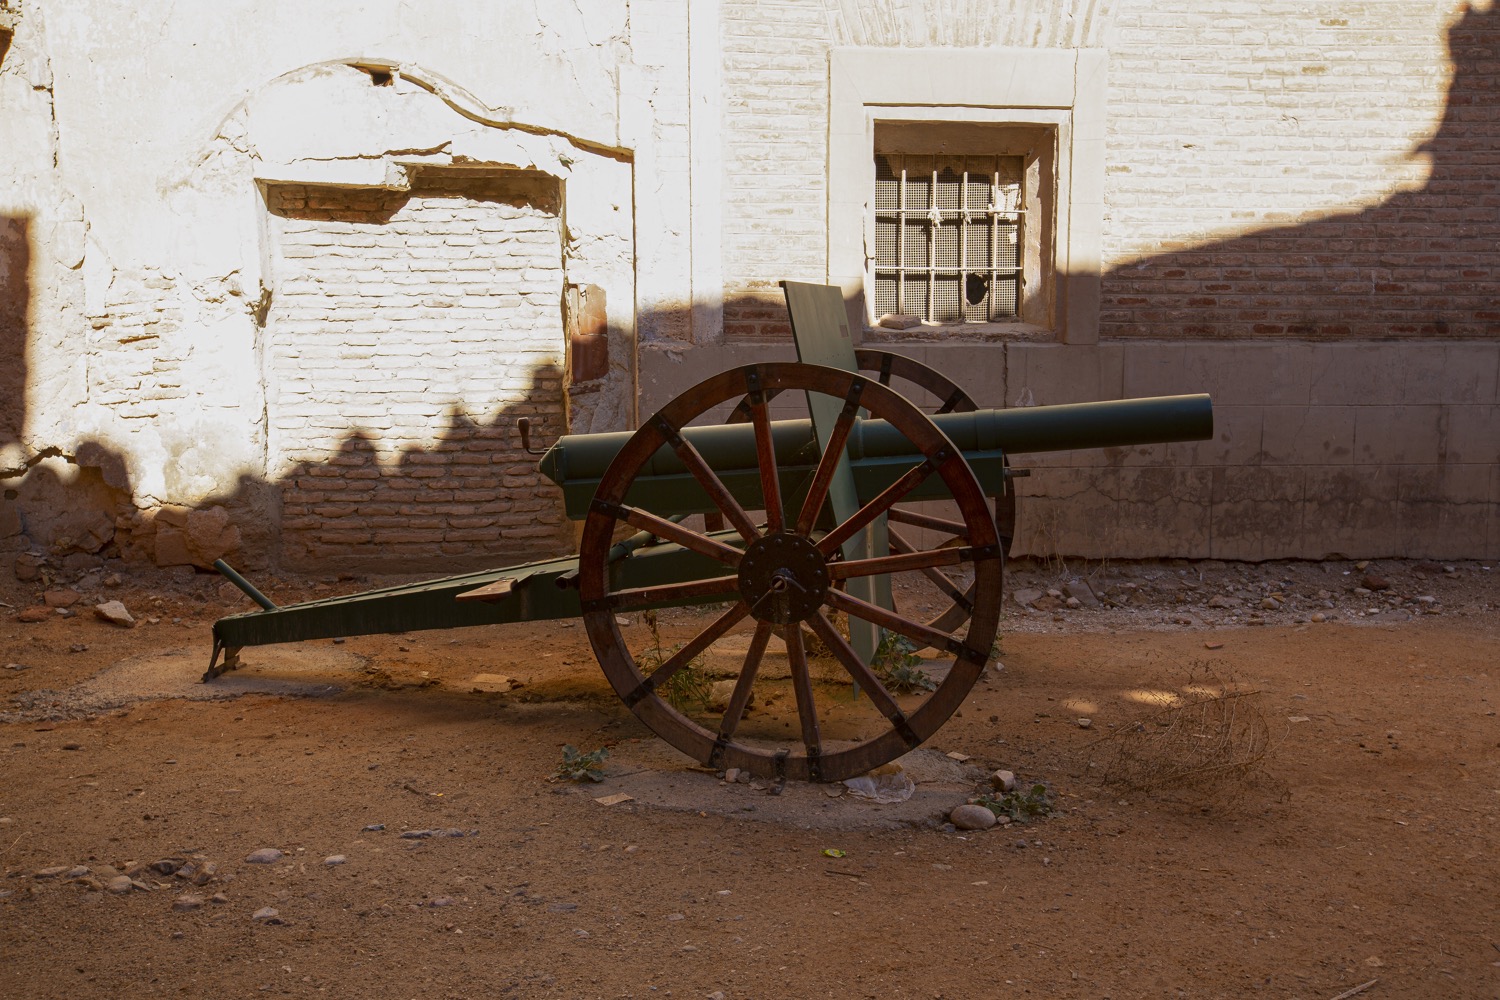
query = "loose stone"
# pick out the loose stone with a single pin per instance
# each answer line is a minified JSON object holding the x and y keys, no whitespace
{"x":187,"y":903}
{"x":120,"y":883}
{"x":1003,"y":781}
{"x":115,"y":613}
{"x":1085,"y":723}
{"x":971,"y":816}
{"x":334,"y":859}
{"x":267,"y":915}
{"x":264,"y":856}
{"x":61,"y":598}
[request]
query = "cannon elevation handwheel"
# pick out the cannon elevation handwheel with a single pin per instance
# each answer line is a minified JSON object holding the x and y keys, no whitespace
{"x":780,"y":571}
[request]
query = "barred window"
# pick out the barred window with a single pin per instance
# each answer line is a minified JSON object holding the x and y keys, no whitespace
{"x":948,"y":237}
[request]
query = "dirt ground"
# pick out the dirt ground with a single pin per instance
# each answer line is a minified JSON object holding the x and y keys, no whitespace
{"x":425,"y":853}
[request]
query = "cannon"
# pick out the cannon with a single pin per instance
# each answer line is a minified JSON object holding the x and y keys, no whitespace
{"x":811,"y":515}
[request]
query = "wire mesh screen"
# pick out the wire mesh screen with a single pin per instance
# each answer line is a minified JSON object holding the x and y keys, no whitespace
{"x":948,"y":237}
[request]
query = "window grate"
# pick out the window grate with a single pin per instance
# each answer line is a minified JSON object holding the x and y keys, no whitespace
{"x":948,"y":237}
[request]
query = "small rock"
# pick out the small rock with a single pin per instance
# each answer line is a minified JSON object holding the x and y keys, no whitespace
{"x":52,"y":872}
{"x":166,"y":866}
{"x":113,"y":580}
{"x":61,"y":598}
{"x":1085,"y":723}
{"x":264,"y":856}
{"x":1373,"y":582}
{"x":267,"y":915}
{"x":17,"y":666}
{"x":205,"y":873}
{"x":1003,"y":781}
{"x":971,"y":817}
{"x":1318,"y":616}
{"x":115,"y":613}
{"x":334,"y":859}
{"x":1221,"y":601}
{"x":78,"y":871}
{"x":1080,"y":591}
{"x":1073,"y":602}
{"x":78,"y":647}
{"x":417,"y":834}
{"x":898,"y":321}
{"x":120,"y":883}
{"x":732,"y":775}
{"x":373,"y":827}
{"x":1026,"y":597}
{"x":29,"y":566}
{"x":187,"y":903}
{"x":218,"y":897}
{"x":32,"y":615}
{"x":1270,"y":604}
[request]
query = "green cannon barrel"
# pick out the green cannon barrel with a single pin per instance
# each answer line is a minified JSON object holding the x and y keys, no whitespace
{"x":878,"y":453}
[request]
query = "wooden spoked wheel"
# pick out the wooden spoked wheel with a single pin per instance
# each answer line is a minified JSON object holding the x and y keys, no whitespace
{"x":780,"y":573}
{"x":936,"y":524}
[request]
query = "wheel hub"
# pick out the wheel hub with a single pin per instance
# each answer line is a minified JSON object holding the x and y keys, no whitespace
{"x":783,"y":577}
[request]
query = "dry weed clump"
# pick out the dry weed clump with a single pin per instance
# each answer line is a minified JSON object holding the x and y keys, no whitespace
{"x":1204,"y":741}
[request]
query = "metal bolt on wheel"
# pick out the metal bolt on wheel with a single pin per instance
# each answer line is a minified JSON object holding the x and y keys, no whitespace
{"x":783,"y":569}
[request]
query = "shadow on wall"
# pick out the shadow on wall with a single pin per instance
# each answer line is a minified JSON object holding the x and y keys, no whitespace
{"x":1423,"y":264}
{"x":472,"y":499}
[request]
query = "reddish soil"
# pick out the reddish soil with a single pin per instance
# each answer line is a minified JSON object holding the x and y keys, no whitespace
{"x":1362,"y":847}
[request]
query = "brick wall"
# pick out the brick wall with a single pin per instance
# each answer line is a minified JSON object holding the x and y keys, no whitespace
{"x":775,"y":147}
{"x":407,"y":334}
{"x":1264,"y":179}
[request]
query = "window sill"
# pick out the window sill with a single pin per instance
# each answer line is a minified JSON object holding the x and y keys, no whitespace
{"x":958,"y":333}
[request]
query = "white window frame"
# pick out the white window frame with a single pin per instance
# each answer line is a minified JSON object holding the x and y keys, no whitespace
{"x":1060,"y":92}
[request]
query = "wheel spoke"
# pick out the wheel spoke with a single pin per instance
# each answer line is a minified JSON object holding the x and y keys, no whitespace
{"x":698,"y":644}
{"x":740,"y":699}
{"x":902,"y":515}
{"x":874,"y":614}
{"x":898,"y":563}
{"x":888,"y":497}
{"x":713,"y":485}
{"x":674,"y":593}
{"x":765,"y":453}
{"x":862,"y":675}
{"x":686,"y":537}
{"x":807,"y":709}
{"x":828,"y":465}
{"x":941,"y":580}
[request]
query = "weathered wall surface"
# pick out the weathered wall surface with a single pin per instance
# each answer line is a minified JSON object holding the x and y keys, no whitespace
{"x":1291,"y":205}
{"x":1299,"y":216}
{"x":140,"y":144}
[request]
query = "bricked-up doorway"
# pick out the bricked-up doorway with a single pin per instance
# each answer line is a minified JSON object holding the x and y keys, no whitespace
{"x":406,"y":333}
